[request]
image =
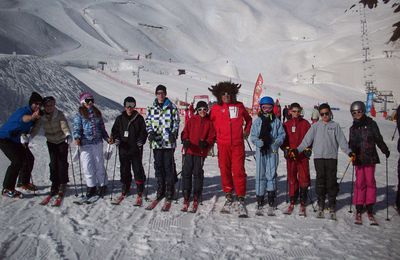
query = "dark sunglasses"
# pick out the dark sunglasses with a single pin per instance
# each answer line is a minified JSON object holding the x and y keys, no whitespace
{"x":295,"y":111}
{"x":355,"y":112}
{"x":202,"y":109}
{"x":89,"y":100}
{"x":324,"y":114}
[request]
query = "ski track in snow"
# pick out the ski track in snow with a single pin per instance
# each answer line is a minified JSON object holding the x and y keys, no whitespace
{"x":103,"y":230}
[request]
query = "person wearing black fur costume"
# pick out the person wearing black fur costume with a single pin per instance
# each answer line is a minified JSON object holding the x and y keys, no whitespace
{"x":232,"y":124}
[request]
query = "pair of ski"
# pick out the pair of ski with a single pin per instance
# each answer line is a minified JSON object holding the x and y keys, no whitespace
{"x":56,"y":203}
{"x":226,"y":209}
{"x":166,"y":207}
{"x":270,"y":211}
{"x":332,"y":215}
{"x":118,"y":200}
{"x":186,"y":208}
{"x":302,"y":211}
{"x":371,"y":219}
{"x":87,"y":200}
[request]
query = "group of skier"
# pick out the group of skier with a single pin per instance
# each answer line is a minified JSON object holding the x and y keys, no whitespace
{"x":227,"y":122}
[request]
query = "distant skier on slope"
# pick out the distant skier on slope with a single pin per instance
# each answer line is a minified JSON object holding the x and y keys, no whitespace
{"x":197,"y":138}
{"x":129,"y":133}
{"x":229,"y":117}
{"x":58,"y":135}
{"x":89,"y":132}
{"x":364,"y":136}
{"x":162,"y":125}
{"x":298,"y":170}
{"x":14,"y":144}
{"x":325,"y":136}
{"x":267,"y":134}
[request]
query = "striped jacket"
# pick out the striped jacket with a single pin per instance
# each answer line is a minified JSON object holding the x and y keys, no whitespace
{"x":164,"y":123}
{"x":55,"y":127}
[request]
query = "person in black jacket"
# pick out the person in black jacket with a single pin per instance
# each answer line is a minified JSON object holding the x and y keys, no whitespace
{"x":129,"y":133}
{"x":363,"y":139}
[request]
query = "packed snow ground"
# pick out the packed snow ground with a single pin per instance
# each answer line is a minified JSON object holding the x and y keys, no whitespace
{"x":213,"y":40}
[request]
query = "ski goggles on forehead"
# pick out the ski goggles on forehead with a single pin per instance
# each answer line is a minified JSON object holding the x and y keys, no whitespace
{"x":130,"y":104}
{"x":89,"y":100}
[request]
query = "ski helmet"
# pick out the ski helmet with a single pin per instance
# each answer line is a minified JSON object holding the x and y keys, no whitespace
{"x":357,"y":105}
{"x":266,"y":101}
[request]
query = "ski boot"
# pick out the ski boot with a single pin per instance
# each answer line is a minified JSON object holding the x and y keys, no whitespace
{"x":290,"y":208}
{"x":371,"y":217}
{"x":226,"y":209}
{"x":271,"y":203}
{"x":139,"y":200}
{"x":12,"y":193}
{"x":195,"y":204}
{"x":126,"y":189}
{"x":260,"y":205}
{"x":302,"y":210}
{"x":186,"y":201}
{"x":54,"y":189}
{"x":242,"y":211}
{"x":27,"y":187}
{"x":102,"y":191}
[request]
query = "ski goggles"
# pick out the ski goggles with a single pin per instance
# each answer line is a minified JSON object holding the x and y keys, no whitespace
{"x":267,"y":107}
{"x":202,"y":109}
{"x":355,"y":112}
{"x":130,"y":104}
{"x":89,"y":100}
{"x":324,"y":114}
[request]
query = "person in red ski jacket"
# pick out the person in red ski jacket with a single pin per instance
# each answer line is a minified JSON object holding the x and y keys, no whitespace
{"x":197,"y":137}
{"x":232,"y":124}
{"x":298,"y":170}
{"x":277,"y":109}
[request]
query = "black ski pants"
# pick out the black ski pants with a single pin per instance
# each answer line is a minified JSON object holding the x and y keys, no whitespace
{"x":132,"y":161}
{"x":21,"y":166}
{"x":326,"y":182}
{"x":58,"y":163}
{"x":164,"y":172}
{"x":193,"y":168}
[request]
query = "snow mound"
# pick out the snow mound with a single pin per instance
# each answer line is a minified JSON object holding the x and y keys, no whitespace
{"x":21,"y":75}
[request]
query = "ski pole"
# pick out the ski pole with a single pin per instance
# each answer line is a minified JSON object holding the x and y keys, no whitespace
{"x":80,"y":169}
{"x":351,"y":194}
{"x":73,"y":171}
{"x":251,"y":149}
{"x":345,"y":172}
{"x":115,"y":166}
{"x":395,"y":130}
{"x":387,"y":192}
{"x":148,"y":175}
{"x":105,"y":171}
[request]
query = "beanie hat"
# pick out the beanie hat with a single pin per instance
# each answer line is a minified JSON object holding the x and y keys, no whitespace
{"x":35,"y":98}
{"x":161,"y":88}
{"x":201,"y":104}
{"x":324,"y":106}
{"x":130,"y":100}
{"x":85,"y":95}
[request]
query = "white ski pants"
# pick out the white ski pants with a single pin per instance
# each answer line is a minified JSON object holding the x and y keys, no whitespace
{"x":93,"y":164}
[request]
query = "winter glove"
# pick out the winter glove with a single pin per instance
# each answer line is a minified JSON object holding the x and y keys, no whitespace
{"x":172,"y":138}
{"x":286,"y":152}
{"x":203,"y":144}
{"x":186,"y":144}
{"x":24,"y":139}
{"x":293,"y":153}
{"x":387,"y":153}
{"x":352,"y":156}
{"x":108,"y":152}
{"x":78,"y":141}
{"x":245,"y":134}
{"x":152,"y":137}
{"x":307,"y":153}
{"x":68,"y":139}
{"x":117,"y":142}
{"x":139,"y":143}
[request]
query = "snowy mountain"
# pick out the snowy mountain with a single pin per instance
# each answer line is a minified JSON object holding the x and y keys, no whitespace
{"x":308,"y":51}
{"x":20,"y":75}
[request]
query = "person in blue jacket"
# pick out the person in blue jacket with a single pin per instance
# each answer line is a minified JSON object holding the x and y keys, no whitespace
{"x":14,"y":144}
{"x":267,"y":134}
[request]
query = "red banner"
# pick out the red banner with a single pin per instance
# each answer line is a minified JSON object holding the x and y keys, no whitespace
{"x":257,"y":93}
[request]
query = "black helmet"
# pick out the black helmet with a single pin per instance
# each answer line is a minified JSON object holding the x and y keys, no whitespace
{"x":357,"y":105}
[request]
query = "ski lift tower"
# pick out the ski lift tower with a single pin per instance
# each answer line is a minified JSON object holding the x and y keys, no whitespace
{"x":387,"y":97}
